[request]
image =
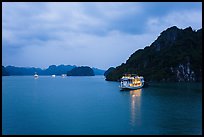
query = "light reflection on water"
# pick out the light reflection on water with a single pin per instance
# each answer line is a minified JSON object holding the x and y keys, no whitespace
{"x":135,"y":107}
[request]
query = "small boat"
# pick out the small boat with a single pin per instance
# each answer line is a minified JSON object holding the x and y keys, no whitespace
{"x":131,"y":81}
{"x":63,"y":75}
{"x":36,"y":75}
{"x":53,"y":76}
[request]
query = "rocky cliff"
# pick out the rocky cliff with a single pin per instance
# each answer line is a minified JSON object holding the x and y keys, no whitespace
{"x":176,"y":55}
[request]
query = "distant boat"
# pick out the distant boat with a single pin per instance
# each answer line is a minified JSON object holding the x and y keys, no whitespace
{"x":63,"y":75}
{"x":131,"y":82}
{"x":36,"y":75}
{"x":53,"y":76}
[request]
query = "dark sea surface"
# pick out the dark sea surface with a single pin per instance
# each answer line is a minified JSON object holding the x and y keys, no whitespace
{"x":93,"y":106}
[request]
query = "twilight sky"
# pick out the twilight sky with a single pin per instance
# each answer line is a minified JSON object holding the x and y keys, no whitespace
{"x":94,"y":34}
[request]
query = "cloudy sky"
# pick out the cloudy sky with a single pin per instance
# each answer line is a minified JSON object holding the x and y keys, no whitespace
{"x":95,"y":34}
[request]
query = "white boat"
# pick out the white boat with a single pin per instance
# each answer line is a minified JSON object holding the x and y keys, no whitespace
{"x":53,"y":76}
{"x":36,"y":75}
{"x":63,"y":75}
{"x":131,"y":82}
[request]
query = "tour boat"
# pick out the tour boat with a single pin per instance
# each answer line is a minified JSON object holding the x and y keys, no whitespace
{"x":53,"y":76}
{"x":129,"y":82}
{"x":36,"y":75}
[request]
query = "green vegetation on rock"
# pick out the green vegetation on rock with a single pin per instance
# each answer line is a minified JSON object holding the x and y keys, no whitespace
{"x":176,"y":55}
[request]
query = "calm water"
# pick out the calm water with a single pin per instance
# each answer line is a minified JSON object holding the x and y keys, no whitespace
{"x":91,"y":105}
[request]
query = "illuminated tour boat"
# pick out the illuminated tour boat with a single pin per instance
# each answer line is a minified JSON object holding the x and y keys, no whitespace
{"x":131,"y":81}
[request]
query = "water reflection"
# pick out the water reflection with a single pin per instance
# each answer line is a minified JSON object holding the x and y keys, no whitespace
{"x":135,"y":107}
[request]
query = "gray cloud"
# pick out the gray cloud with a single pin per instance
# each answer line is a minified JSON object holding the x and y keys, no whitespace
{"x":94,"y":34}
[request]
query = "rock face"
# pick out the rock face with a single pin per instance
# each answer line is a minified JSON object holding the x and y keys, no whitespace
{"x":81,"y":71}
{"x":109,"y":70}
{"x":176,"y":55}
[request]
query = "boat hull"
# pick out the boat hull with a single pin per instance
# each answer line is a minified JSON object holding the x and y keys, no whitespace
{"x":130,"y":88}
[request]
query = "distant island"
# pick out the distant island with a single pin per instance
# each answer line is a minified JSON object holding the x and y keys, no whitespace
{"x":81,"y":71}
{"x":4,"y":71}
{"x":176,"y":55}
{"x":51,"y":70}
